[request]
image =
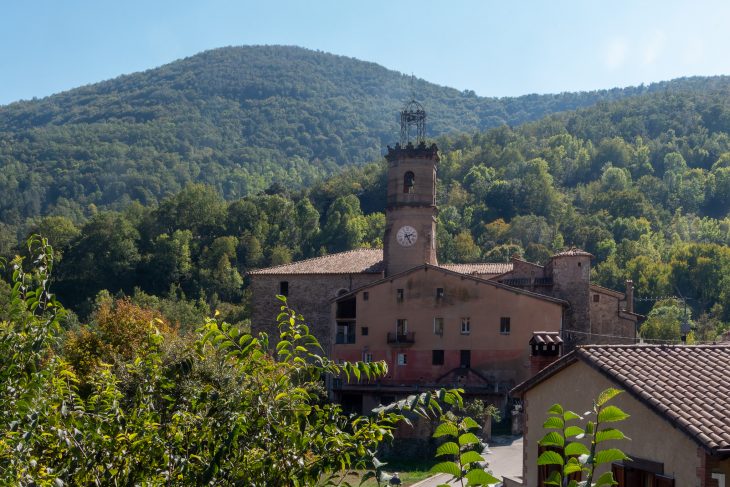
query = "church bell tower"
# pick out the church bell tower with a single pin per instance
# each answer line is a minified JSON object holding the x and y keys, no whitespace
{"x":410,"y":216}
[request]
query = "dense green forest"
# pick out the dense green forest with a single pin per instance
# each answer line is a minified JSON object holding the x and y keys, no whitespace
{"x":238,"y":119}
{"x":642,"y":182}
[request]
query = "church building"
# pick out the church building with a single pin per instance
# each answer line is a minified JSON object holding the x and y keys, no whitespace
{"x":485,"y":327}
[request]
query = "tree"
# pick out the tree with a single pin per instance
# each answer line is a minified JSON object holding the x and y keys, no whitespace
{"x":227,"y":410}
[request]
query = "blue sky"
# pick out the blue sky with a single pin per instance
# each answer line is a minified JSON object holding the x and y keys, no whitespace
{"x":503,"y":48}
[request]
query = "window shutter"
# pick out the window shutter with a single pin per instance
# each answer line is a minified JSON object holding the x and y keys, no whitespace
{"x":662,"y":481}
{"x":618,"y":474}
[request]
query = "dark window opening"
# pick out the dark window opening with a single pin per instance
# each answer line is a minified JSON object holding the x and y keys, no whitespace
{"x":439,"y":292}
{"x":437,"y":357}
{"x":504,"y":325}
{"x":596,"y":298}
{"x":284,"y":288}
{"x":364,"y":331}
{"x":347,"y":308}
{"x":465,"y":359}
{"x":399,"y":295}
{"x":409,"y":180}
{"x":365,"y":296}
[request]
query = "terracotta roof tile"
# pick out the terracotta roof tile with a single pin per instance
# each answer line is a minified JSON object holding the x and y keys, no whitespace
{"x":359,"y":261}
{"x":484,"y":268}
{"x":685,"y":384}
{"x":370,"y":261}
{"x":542,"y":337}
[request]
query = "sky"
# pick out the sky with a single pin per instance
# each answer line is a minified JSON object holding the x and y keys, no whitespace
{"x":506,"y":48}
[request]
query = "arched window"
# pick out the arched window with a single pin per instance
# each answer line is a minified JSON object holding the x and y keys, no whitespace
{"x":409,"y":180}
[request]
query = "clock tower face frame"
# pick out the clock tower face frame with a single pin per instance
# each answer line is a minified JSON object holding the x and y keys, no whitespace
{"x":406,"y":236}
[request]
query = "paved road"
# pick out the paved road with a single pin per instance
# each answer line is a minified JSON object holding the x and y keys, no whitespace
{"x":505,"y":459}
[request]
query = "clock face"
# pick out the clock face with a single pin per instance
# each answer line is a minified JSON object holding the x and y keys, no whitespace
{"x":406,"y":236}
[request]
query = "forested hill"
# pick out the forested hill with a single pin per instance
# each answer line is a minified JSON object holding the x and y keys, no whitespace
{"x":237,"y":118}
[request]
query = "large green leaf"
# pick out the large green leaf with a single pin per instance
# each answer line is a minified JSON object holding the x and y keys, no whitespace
{"x":449,"y":448}
{"x":450,"y":468}
{"x":609,"y":455}
{"x":607,"y":395}
{"x":550,"y":458}
{"x":480,"y":477}
{"x":574,"y":448}
{"x":573,"y":431}
{"x":556,"y":409}
{"x":610,"y":414}
{"x":609,"y":434}
{"x":446,"y":429}
{"x":552,"y":438}
{"x":570,"y":415}
{"x":468,"y":439}
{"x":606,"y":479}
{"x":470,"y":457}
{"x":468,"y":423}
{"x":554,"y":422}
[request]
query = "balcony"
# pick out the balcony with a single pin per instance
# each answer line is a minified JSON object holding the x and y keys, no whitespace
{"x":402,"y":338}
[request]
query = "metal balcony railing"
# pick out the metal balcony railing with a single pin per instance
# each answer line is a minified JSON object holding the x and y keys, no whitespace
{"x":402,"y":338}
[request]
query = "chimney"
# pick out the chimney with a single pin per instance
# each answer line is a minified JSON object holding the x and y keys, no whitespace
{"x":629,"y":295}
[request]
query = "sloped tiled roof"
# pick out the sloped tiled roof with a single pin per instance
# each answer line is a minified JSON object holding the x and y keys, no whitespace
{"x":546,"y":337}
{"x":493,"y":268}
{"x":688,"y":385}
{"x":359,"y":261}
{"x":369,"y":261}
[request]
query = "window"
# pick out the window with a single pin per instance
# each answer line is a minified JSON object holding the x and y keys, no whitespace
{"x":402,"y":359}
{"x":504,"y":325}
{"x":365,"y":295}
{"x":284,"y":288}
{"x":401,"y":326}
{"x":465,"y":326}
{"x":399,"y":295}
{"x":364,"y":331}
{"x":409,"y":180}
{"x":596,"y":298}
{"x":465,"y":359}
{"x":367,"y":357}
{"x":438,"y":326}
{"x":437,"y":357}
{"x":345,"y":332}
{"x":439,"y":293}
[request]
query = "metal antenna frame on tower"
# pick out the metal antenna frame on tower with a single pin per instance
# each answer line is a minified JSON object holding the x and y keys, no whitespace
{"x":412,"y":116}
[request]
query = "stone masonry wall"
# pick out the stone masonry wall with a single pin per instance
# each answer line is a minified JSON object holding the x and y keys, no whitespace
{"x":309,"y":295}
{"x":607,"y":321}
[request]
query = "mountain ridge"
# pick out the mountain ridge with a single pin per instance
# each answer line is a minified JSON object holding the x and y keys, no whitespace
{"x":236,"y":118}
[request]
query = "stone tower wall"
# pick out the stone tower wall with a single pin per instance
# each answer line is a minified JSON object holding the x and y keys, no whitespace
{"x":415,"y":208}
{"x":571,"y":282}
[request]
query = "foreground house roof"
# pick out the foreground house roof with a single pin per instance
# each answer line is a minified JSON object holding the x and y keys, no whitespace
{"x":688,"y":385}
